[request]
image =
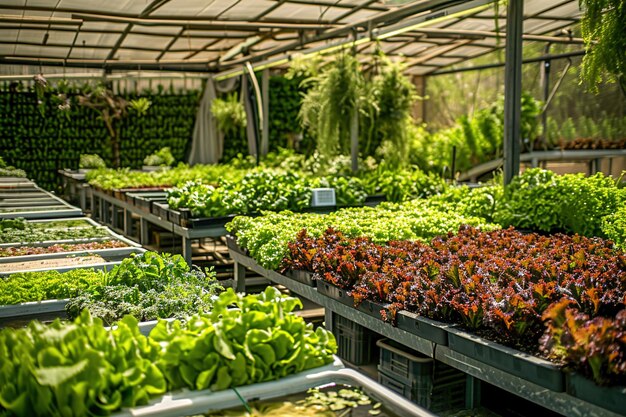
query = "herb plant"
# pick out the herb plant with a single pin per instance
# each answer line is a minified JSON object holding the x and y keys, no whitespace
{"x":21,"y":231}
{"x":162,"y":158}
{"x":148,"y":286}
{"x":47,"y":285}
{"x":91,"y":161}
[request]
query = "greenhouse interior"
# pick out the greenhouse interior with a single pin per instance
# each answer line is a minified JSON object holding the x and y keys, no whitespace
{"x":334,"y":208}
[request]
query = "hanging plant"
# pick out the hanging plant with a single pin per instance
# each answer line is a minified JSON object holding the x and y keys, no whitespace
{"x":603,"y":28}
{"x":229,"y":114}
{"x":394,"y":97}
{"x":328,"y":106}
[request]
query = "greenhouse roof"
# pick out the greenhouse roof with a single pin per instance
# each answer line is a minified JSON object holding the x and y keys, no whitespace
{"x":221,"y":35}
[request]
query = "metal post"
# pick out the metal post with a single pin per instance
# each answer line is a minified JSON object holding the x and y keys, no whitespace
{"x":513,"y":88}
{"x":265,"y":98}
{"x":545,"y":82}
{"x":187,"y":250}
{"x":239,"y":282}
{"x":354,"y":139}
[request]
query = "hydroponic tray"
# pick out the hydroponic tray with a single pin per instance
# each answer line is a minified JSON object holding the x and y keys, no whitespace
{"x":44,"y":212}
{"x":111,"y":235}
{"x":195,"y":402}
{"x":110,"y":261}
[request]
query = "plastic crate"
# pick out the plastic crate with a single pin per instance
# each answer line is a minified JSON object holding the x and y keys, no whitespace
{"x":422,"y":380}
{"x":355,"y":343}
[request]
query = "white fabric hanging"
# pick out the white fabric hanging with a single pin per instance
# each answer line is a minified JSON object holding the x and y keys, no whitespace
{"x":207,"y":143}
{"x":251,"y":130}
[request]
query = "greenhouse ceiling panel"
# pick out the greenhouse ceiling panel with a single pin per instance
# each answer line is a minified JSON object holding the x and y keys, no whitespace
{"x":219,"y":36}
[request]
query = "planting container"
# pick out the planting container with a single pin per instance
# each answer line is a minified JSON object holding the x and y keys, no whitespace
{"x":197,"y":402}
{"x":304,"y":277}
{"x":334,"y":292}
{"x":423,"y":327}
{"x":199,"y":222}
{"x":231,"y":243}
{"x":110,"y":259}
{"x":531,"y":368}
{"x":373,"y":309}
{"x":610,"y":398}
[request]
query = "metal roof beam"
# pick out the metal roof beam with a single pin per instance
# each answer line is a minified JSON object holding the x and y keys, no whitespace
{"x":393,"y":15}
{"x":354,"y":10}
{"x":117,"y":32}
{"x":487,"y":34}
{"x":144,"y":13}
{"x":40,"y":20}
{"x":198,"y":23}
{"x":491,"y":50}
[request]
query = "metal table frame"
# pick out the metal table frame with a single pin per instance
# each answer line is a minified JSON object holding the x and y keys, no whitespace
{"x":106,"y":204}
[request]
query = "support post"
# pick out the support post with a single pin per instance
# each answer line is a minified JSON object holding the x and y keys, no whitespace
{"x":265,"y":128}
{"x":239,"y":283}
{"x":354,"y":139}
{"x":513,"y":88}
{"x":187,"y":250}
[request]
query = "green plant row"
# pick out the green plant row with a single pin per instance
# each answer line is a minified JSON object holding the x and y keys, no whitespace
{"x":147,"y":286}
{"x":77,"y":369}
{"x":110,"y":179}
{"x":261,"y":190}
{"x":538,"y":200}
{"x":22,"y":231}
{"x":266,"y":237}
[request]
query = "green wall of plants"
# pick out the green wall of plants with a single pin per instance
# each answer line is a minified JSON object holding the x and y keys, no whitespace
{"x":43,"y":142}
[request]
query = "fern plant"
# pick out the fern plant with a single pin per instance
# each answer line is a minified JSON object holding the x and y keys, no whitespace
{"x":603,"y":27}
{"x":229,"y":114}
{"x":329,"y":105}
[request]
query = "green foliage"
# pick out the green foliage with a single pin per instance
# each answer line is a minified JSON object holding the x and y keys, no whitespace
{"x":22,"y":231}
{"x":393,"y":99}
{"x":148,"y":286}
{"x":257,"y":190}
{"x":402,"y":185}
{"x":80,"y":368}
{"x":329,"y":105}
{"x":229,"y":113}
{"x":110,"y":179}
{"x":542,"y":200}
{"x":47,"y":285}
{"x":12,"y":172}
{"x":41,"y":145}
{"x":91,"y":161}
{"x":162,"y":158}
{"x":257,"y":341}
{"x":77,"y":369}
{"x":614,"y":226}
{"x":140,"y":105}
{"x":267,"y":236}
{"x":603,"y":28}
{"x":478,"y":139}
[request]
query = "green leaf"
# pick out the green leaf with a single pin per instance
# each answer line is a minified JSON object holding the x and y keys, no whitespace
{"x":54,"y":376}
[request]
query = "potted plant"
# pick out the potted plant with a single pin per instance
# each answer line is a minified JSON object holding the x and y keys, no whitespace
{"x":88,"y":162}
{"x":162,"y":159}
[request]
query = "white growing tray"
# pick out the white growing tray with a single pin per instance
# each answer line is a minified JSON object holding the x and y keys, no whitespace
{"x":188,"y":402}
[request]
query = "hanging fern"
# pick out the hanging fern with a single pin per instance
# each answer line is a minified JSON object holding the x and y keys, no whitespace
{"x":328,"y":106}
{"x":394,"y":99}
{"x":603,"y":28}
{"x":229,"y":114}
